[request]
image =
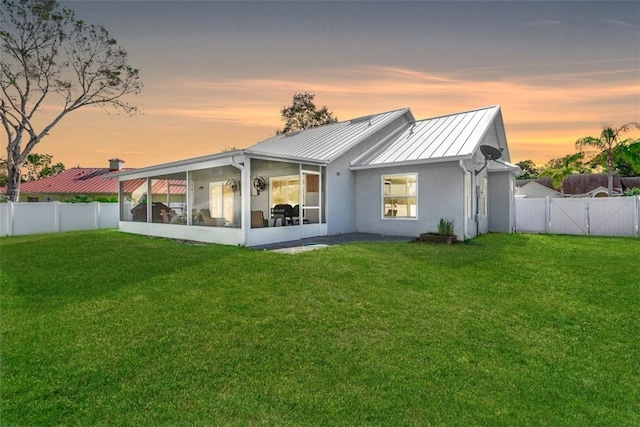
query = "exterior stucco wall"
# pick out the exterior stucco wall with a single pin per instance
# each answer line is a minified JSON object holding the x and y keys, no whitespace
{"x":341,"y":183}
{"x":440,"y":195}
{"x":501,"y":202}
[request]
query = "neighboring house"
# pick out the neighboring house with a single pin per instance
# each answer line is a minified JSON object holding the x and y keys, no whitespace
{"x":630,"y":182}
{"x":535,"y":188}
{"x":385,"y":173}
{"x":72,"y":183}
{"x":590,"y":185}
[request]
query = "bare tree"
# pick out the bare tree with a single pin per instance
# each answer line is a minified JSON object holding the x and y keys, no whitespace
{"x":608,"y":142}
{"x":47,"y":51}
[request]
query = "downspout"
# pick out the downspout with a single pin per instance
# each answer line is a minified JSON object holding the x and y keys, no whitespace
{"x":464,"y":197}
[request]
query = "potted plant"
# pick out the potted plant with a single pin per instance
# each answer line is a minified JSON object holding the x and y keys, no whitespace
{"x":444,"y":235}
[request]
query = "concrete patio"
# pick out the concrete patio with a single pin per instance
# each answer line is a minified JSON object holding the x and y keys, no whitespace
{"x":303,"y":245}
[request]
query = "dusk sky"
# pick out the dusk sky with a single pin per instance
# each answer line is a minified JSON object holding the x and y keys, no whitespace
{"x":216,"y":74}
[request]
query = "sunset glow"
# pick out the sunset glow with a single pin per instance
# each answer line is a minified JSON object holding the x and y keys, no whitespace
{"x":217,"y":74}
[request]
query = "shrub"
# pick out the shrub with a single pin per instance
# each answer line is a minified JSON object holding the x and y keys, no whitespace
{"x":445,"y":227}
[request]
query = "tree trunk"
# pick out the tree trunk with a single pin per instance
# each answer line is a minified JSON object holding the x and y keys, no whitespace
{"x":610,"y":175}
{"x":13,"y":183}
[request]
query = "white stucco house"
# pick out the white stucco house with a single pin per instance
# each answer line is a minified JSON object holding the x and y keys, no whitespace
{"x":385,"y":173}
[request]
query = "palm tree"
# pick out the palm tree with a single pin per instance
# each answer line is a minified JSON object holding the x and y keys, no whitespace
{"x":559,"y":169}
{"x":608,"y":141}
{"x":626,"y":158}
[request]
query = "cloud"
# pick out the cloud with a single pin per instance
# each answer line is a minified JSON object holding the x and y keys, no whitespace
{"x":620,"y":23}
{"x":541,"y":110}
{"x":352,"y":91}
{"x":545,"y":23}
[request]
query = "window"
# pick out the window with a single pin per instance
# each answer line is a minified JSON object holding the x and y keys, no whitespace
{"x":221,"y":201}
{"x":285,"y":190}
{"x":400,"y":196}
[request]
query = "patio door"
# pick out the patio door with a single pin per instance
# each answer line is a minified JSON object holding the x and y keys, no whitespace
{"x":311,"y":198}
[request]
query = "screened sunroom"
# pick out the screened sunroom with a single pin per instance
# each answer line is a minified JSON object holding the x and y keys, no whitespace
{"x":228,"y":198}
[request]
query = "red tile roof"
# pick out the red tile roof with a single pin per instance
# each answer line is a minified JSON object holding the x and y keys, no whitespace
{"x":74,"y":181}
{"x":92,"y":181}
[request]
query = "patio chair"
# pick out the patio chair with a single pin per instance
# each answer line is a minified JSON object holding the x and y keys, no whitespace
{"x":257,"y":220}
{"x":295,"y":216}
{"x":209,"y":221}
{"x":166,"y":218}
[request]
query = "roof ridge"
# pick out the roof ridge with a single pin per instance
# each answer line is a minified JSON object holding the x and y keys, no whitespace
{"x":368,"y":116}
{"x":457,"y":114}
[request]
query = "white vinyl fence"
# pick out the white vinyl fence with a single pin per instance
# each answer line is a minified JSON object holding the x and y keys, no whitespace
{"x":605,"y":216}
{"x":33,"y":218}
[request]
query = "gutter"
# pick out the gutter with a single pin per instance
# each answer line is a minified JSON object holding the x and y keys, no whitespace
{"x":464,"y":197}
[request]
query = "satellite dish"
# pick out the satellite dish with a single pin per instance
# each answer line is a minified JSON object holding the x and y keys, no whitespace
{"x":490,"y":153}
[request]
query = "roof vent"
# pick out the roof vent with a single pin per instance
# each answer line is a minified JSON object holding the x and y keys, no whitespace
{"x":362,"y":119}
{"x":292,"y":133}
{"x":115,"y":164}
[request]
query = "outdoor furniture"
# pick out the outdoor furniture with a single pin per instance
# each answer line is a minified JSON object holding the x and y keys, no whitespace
{"x":295,"y":216}
{"x":257,"y":220}
{"x":166,"y":218}
{"x":209,"y":221}
{"x":140,"y":212}
{"x":282,"y":212}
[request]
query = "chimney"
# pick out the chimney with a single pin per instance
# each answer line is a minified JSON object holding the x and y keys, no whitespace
{"x":115,"y":164}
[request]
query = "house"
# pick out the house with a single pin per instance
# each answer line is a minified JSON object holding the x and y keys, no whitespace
{"x":630,"y":182}
{"x":535,"y":188}
{"x":385,"y":173}
{"x":591,"y":185}
{"x":73,"y":183}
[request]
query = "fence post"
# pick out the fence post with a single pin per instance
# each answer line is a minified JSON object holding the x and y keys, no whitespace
{"x":56,"y":216}
{"x":588,"y":217}
{"x":636,"y":216}
{"x":10,"y":219}
{"x":547,"y":214}
{"x":96,"y":215}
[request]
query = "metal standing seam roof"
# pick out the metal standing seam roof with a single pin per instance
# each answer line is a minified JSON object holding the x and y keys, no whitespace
{"x":452,"y":136}
{"x":325,"y":143}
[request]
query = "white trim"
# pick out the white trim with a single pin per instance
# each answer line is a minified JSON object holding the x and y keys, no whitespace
{"x":413,"y":162}
{"x":382,"y":197}
{"x":206,"y":162}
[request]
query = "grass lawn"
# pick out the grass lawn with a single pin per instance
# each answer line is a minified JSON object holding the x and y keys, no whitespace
{"x":106,"y":328}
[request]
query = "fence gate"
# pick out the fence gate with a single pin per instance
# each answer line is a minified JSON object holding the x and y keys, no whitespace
{"x":607,"y":216}
{"x":569,"y":216}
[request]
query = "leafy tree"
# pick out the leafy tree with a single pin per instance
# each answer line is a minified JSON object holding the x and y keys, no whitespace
{"x":228,"y":148}
{"x":35,"y":167}
{"x":39,"y":166}
{"x":303,"y":114}
{"x":46,"y":51}
{"x":529,"y":169}
{"x":559,"y":169}
{"x":635,"y":191}
{"x":607,"y":143}
{"x":626,"y":158}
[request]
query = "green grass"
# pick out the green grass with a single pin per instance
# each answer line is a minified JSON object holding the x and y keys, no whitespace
{"x":106,"y":328}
